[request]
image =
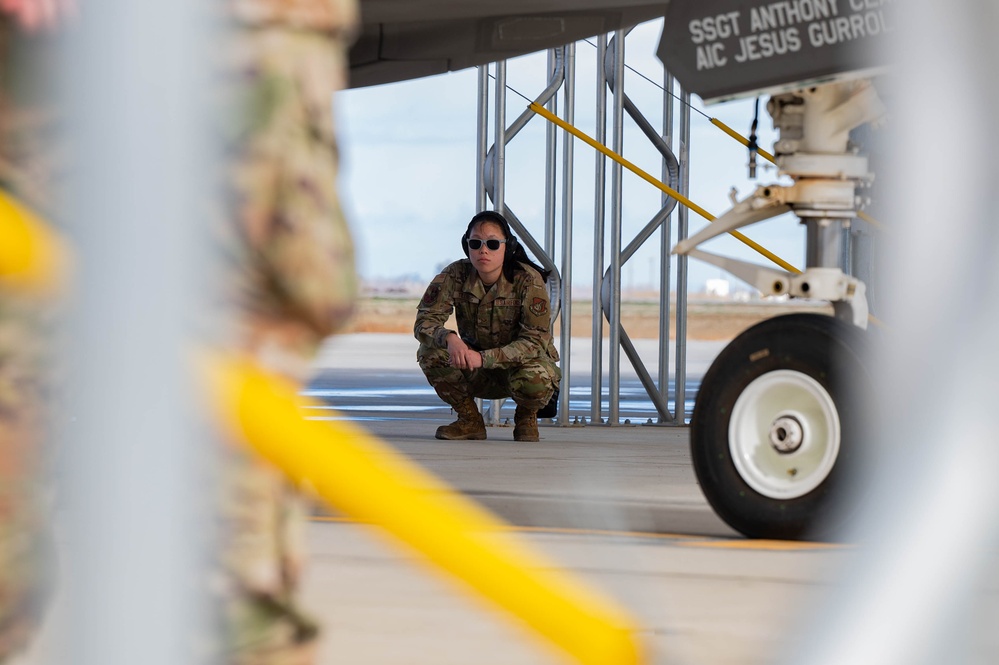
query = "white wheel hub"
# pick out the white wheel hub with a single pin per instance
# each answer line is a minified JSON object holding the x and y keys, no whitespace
{"x":784,"y":434}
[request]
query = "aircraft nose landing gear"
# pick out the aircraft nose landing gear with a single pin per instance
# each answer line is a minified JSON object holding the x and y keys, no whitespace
{"x":776,"y":420}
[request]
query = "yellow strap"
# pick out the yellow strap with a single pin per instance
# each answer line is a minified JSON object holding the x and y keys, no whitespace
{"x":365,"y":479}
{"x":763,"y":153}
{"x":870,"y":220}
{"x":655,"y":182}
{"x":741,"y":139}
{"x":33,"y":257}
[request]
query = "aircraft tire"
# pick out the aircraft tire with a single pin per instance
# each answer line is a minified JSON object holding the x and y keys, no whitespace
{"x":776,"y":424}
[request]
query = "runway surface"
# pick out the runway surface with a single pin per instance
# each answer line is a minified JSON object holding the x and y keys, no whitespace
{"x":616,"y":506}
{"x":635,"y":476}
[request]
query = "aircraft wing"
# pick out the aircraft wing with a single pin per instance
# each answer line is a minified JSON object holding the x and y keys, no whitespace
{"x":406,"y":39}
{"x":718,"y":49}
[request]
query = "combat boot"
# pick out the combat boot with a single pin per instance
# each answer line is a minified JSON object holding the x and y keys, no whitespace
{"x":525,"y":424}
{"x":469,"y":425}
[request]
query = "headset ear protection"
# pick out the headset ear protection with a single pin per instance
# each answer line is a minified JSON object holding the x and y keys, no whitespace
{"x":495,"y":218}
{"x":511,"y":244}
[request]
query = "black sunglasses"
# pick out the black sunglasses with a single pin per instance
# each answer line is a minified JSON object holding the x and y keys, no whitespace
{"x":493,"y":244}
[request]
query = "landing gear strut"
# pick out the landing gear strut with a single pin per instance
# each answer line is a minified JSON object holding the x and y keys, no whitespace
{"x":777,"y":421}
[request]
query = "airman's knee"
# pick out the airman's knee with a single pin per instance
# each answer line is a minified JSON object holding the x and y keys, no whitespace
{"x":533,"y":385}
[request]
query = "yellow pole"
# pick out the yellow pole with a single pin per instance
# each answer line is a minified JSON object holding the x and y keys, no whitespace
{"x":741,"y":139}
{"x":763,"y":153}
{"x":870,"y":220}
{"x":32,"y":256}
{"x":365,"y":479}
{"x":655,"y":182}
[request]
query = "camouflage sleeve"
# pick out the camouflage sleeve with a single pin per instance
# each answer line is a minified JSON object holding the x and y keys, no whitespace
{"x":534,"y":336}
{"x":289,"y":256}
{"x":309,"y":249}
{"x":435,"y":309}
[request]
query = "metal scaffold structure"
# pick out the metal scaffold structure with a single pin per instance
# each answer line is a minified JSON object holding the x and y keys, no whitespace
{"x":672,"y":143}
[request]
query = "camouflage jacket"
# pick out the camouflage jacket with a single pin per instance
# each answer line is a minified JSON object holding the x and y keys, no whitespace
{"x":338,"y":16}
{"x":509,"y":322}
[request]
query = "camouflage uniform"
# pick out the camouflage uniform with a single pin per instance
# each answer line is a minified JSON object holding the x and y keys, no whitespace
{"x":28,"y":169}
{"x":510,"y":324}
{"x":289,"y":282}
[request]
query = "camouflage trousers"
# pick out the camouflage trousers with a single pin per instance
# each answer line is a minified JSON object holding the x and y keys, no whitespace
{"x":530,"y":384}
{"x":261,"y":560}
{"x":25,"y":541}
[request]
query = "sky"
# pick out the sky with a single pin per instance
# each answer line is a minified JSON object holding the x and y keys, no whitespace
{"x":408,"y":169}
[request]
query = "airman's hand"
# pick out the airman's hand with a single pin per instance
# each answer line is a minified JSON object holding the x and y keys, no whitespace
{"x":460,"y":355}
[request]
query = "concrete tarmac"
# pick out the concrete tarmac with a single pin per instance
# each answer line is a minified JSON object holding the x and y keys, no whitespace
{"x":624,"y":477}
{"x":616,"y":506}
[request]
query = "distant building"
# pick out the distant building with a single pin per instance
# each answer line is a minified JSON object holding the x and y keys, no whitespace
{"x":717,"y":287}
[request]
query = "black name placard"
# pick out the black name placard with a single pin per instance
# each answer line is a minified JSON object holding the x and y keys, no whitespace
{"x":721,"y":49}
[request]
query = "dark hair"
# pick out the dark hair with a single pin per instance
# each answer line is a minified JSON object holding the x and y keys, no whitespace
{"x":515,"y":253}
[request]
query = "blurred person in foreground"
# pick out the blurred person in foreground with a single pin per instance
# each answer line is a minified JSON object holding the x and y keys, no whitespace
{"x":503,"y":346}
{"x":289,"y":281}
{"x":30,"y":168}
